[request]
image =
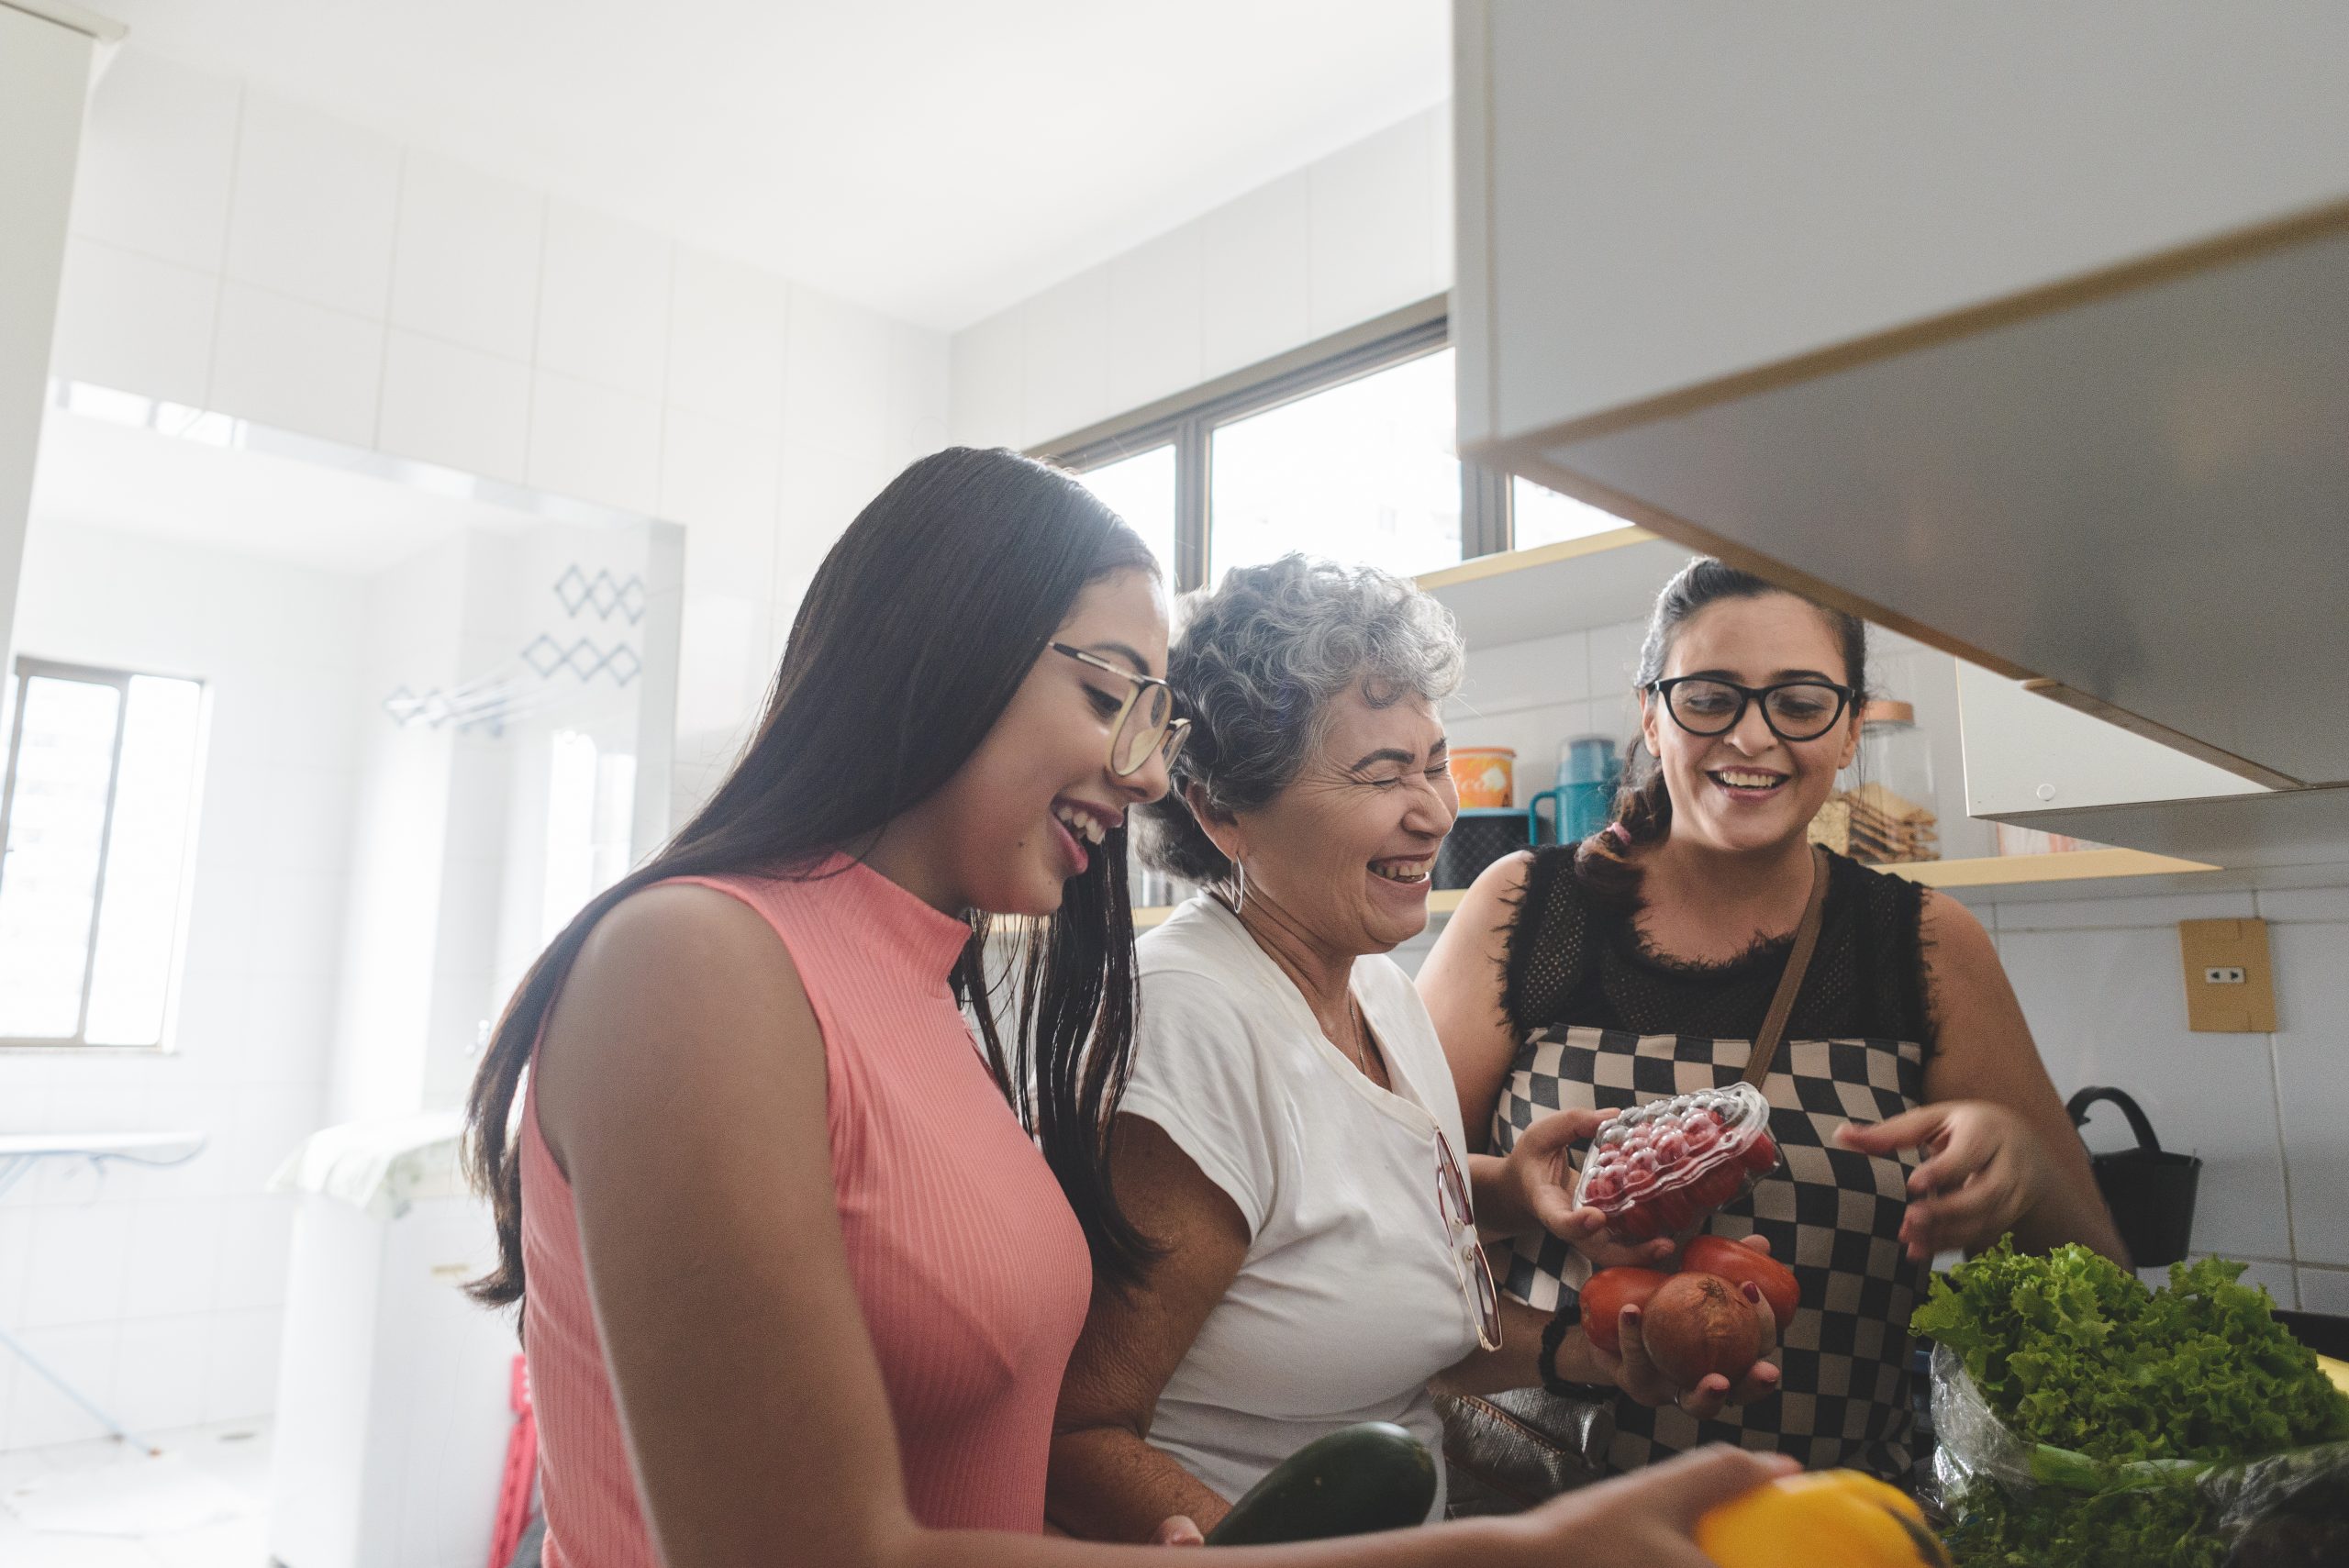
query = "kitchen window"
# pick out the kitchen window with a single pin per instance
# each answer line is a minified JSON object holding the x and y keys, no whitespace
{"x":1342,"y":449}
{"x":97,"y":818}
{"x":1140,"y":489}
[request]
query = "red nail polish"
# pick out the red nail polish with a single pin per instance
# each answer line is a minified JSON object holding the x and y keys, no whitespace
{"x":1752,"y":1292}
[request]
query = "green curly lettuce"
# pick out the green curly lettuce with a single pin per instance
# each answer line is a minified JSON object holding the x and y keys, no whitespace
{"x":2072,"y":1350}
{"x":2130,"y":1393}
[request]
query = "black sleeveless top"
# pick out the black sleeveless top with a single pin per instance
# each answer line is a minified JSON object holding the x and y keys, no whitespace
{"x":1604,"y":1021}
{"x":1575,"y":960}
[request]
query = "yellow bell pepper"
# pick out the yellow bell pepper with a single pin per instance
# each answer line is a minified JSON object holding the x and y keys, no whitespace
{"x":1831,"y":1518}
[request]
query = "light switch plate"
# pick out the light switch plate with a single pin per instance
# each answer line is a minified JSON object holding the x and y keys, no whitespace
{"x":2230,"y":985}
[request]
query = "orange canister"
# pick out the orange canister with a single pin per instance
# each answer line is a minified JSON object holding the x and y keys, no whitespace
{"x":1486,"y":777}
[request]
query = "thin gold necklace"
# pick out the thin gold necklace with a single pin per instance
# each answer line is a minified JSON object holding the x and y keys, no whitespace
{"x":1361,"y":1059}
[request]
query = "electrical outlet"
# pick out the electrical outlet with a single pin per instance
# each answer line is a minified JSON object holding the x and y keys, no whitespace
{"x":2230,"y":987}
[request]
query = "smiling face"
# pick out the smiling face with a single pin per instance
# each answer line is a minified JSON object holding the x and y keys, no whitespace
{"x":1347,"y":851}
{"x":1748,"y":790}
{"x":1028,"y":810}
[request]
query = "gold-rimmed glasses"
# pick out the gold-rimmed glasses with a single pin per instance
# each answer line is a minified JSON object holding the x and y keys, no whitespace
{"x":1477,"y":1291}
{"x":1145,"y":721}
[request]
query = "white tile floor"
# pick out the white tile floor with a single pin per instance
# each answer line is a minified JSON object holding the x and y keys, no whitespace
{"x":235,"y":1454}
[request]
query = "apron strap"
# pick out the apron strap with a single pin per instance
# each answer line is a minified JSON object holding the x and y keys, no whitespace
{"x":1782,"y":1005}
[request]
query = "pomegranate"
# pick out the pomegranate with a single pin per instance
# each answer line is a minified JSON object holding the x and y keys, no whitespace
{"x":1696,"y":1324}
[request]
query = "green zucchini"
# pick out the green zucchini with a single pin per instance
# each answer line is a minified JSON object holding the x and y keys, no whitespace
{"x":1358,"y":1479}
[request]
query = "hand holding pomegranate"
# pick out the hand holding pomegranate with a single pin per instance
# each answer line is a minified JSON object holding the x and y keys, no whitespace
{"x":1697,"y":1340}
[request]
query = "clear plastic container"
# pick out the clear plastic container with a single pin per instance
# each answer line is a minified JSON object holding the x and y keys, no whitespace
{"x":1659,"y":1169}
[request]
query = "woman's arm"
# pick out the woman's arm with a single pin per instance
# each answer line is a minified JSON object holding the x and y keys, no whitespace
{"x":2002,"y":1155}
{"x":1461,"y":983}
{"x":1106,"y":1482}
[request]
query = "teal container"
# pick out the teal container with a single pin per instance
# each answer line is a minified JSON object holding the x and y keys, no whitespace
{"x":1588,"y":773}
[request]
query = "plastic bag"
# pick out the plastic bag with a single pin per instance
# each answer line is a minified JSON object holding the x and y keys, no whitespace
{"x":2288,"y":1510}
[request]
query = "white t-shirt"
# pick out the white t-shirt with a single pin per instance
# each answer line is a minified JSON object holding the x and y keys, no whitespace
{"x":1348,"y":1300}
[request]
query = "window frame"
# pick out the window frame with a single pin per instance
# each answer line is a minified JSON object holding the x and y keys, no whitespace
{"x":26,"y":668}
{"x":1188,"y":421}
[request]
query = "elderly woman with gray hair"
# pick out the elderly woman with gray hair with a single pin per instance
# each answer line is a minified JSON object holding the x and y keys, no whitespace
{"x":1290,"y":1138}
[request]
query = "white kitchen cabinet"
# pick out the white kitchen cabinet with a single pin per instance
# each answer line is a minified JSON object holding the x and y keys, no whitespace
{"x":1655,"y":197}
{"x":2020,"y":328}
{"x":2026,"y":753}
{"x":46,"y":55}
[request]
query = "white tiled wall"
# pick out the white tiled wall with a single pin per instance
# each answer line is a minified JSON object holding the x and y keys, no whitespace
{"x":1362,"y":232}
{"x":159,"y":1292}
{"x":233,"y":251}
{"x":2268,"y":1114}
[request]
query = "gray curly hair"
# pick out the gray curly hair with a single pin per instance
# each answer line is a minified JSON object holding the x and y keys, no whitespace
{"x":1257,"y":666}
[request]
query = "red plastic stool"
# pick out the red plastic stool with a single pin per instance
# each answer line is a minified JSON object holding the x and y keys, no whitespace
{"x":521,"y":1473}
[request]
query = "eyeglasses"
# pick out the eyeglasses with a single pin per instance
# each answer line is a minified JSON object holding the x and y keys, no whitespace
{"x":1795,"y":710}
{"x":1478,"y":1291}
{"x":1145,"y":720}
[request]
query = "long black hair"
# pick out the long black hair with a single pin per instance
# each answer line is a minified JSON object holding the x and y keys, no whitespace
{"x":919,"y":628}
{"x":1643,"y":814}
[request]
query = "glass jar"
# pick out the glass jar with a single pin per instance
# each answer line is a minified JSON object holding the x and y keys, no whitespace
{"x":1887,"y":814}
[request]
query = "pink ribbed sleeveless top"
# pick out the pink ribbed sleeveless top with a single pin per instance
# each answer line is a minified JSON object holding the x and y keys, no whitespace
{"x":970,"y":1268}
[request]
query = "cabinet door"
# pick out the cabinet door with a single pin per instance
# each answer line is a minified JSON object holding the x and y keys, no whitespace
{"x":44,"y":83}
{"x":2026,"y":753}
{"x":1652,"y":198}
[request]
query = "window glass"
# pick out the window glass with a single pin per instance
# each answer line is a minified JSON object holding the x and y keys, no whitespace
{"x":1140,"y":489}
{"x":1364,"y":472}
{"x":1542,"y":515}
{"x":154,"y":812}
{"x":100,"y":805}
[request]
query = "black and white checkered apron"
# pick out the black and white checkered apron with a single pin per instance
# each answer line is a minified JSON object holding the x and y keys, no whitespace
{"x":1831,"y":1213}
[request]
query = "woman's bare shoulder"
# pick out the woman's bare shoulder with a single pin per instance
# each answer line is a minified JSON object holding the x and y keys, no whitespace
{"x":676,"y":987}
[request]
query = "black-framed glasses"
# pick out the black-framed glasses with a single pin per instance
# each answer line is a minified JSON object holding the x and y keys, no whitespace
{"x":1145,"y":720}
{"x":1795,"y":710}
{"x":1477,"y":1291}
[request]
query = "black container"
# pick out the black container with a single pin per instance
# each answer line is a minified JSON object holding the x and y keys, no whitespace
{"x":1478,"y":839}
{"x":2150,"y":1193}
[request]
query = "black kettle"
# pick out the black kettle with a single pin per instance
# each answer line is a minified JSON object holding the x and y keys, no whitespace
{"x":2149,"y":1191}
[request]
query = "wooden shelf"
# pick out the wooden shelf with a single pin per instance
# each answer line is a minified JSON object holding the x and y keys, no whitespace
{"x":2069,"y":865}
{"x":1985,"y":871}
{"x":1552,"y":589}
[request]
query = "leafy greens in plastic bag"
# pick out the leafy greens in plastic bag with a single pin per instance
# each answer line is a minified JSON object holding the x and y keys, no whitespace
{"x":2081,"y":1415}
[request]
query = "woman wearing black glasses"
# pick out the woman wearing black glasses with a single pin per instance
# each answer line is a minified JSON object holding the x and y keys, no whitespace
{"x":1906,"y":1094}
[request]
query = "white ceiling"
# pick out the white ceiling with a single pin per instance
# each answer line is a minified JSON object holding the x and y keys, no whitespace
{"x":936,"y":159}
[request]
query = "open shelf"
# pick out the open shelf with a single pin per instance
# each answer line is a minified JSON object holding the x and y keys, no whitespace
{"x":2067,"y":865}
{"x":1985,"y":871}
{"x":1522,"y":594}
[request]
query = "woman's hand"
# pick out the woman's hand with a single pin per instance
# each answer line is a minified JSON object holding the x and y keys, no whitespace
{"x":1984,"y":1168}
{"x":1646,"y":1519}
{"x":1635,"y":1373}
{"x":1537,"y":1181}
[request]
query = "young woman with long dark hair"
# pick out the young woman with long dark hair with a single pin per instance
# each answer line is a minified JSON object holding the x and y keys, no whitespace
{"x":800,"y":1267}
